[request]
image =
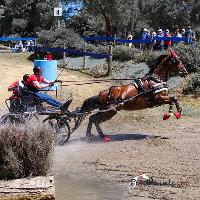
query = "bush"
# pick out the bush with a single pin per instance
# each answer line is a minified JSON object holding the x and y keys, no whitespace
{"x":123,"y":53}
{"x":190,"y":56}
{"x":91,"y":48}
{"x":59,"y":37}
{"x":25,"y":151}
{"x":148,"y":56}
{"x":193,"y":86}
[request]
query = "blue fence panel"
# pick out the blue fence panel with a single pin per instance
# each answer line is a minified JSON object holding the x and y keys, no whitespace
{"x":15,"y":39}
{"x":73,"y":52}
{"x":112,"y":39}
{"x":99,"y":38}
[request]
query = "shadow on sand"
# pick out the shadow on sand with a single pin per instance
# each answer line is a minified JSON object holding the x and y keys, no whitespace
{"x":116,"y":138}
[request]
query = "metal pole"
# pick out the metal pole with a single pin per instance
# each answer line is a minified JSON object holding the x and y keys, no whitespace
{"x":109,"y":72}
{"x":58,"y":22}
{"x":64,"y":53}
{"x":84,"y":57}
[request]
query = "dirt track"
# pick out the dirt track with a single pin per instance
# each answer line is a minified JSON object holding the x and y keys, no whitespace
{"x":140,"y":142}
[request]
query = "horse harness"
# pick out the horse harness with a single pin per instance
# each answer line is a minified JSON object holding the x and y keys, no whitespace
{"x":155,"y":86}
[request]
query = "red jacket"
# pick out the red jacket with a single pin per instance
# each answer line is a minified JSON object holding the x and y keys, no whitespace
{"x":167,"y":42}
{"x":29,"y":82}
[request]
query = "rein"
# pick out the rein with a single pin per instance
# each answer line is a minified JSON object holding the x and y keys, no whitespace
{"x":94,"y":81}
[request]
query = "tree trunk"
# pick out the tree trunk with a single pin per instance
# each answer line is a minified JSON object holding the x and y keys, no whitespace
{"x":108,"y":25}
{"x":106,"y":18}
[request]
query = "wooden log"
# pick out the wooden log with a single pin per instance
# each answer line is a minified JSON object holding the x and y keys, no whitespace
{"x":38,"y":187}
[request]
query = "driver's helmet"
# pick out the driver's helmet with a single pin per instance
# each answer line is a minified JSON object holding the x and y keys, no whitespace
{"x":37,"y":70}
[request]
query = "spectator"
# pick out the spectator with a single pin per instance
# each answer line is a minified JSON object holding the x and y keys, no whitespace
{"x":183,"y":32}
{"x":190,"y":35}
{"x":159,"y":42}
{"x":167,"y":43}
{"x":143,"y":37}
{"x":148,"y":37}
{"x":18,"y":47}
{"x":129,"y":37}
{"x":178,"y":35}
{"x":153,"y":40}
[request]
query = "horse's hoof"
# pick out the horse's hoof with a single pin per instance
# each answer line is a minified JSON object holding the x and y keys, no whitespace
{"x":91,"y":138}
{"x":166,"y":116}
{"x":178,"y":115}
{"x":106,"y":139}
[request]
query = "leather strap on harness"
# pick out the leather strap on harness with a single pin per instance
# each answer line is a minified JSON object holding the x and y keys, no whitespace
{"x":139,"y":85}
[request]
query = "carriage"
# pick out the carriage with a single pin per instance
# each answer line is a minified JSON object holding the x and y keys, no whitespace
{"x":142,"y":93}
{"x":26,"y":107}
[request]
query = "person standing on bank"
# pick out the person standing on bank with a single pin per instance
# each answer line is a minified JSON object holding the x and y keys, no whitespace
{"x":190,"y":35}
{"x":167,"y":43}
{"x":36,"y":82}
{"x":129,"y":37}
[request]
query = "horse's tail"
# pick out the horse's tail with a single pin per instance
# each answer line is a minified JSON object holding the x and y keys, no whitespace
{"x":90,"y":104}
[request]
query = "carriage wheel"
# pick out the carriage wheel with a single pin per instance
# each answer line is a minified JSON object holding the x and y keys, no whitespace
{"x":31,"y":117}
{"x":18,"y":118}
{"x":62,"y":129}
{"x":62,"y":133}
{"x":12,"y":118}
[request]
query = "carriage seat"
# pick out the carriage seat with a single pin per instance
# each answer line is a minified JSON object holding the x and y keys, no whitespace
{"x":29,"y":100}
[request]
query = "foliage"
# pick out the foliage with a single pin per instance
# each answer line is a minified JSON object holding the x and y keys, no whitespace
{"x":87,"y":24}
{"x":59,"y":37}
{"x":122,"y":16}
{"x":25,"y":151}
{"x":123,"y":53}
{"x":119,"y":52}
{"x":167,"y":14}
{"x":26,"y":17}
{"x":149,"y":57}
{"x":189,"y":56}
{"x":193,"y":85}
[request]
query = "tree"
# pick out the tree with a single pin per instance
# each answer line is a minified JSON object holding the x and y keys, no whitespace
{"x":26,"y":17}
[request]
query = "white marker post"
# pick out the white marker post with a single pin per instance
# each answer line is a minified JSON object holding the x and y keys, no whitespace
{"x":58,"y":13}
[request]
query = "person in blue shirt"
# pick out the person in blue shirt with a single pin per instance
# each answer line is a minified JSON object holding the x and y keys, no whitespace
{"x":143,"y":37}
{"x":190,"y":35}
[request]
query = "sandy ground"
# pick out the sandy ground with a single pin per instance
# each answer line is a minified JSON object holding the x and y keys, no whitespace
{"x":140,"y":142}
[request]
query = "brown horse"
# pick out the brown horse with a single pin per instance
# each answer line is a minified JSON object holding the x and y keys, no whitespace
{"x":143,"y":93}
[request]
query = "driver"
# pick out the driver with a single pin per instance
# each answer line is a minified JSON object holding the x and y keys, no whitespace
{"x":36,"y":82}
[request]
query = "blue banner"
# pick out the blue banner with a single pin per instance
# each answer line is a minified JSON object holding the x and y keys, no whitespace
{"x":112,"y":39}
{"x":73,"y":52}
{"x":15,"y":39}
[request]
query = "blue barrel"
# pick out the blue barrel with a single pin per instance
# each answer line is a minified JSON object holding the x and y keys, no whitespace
{"x":49,"y":70}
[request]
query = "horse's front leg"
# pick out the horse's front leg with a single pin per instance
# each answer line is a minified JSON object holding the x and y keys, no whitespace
{"x":171,"y":100}
{"x":178,"y":107}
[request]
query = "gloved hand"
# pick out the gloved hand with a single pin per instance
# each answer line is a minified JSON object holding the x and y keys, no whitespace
{"x":51,"y":84}
{"x":58,"y":81}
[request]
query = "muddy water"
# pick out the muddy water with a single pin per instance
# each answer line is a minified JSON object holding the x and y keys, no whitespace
{"x":73,"y":187}
{"x":72,"y":184}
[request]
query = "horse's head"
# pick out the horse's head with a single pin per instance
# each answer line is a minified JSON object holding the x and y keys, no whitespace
{"x":174,"y":64}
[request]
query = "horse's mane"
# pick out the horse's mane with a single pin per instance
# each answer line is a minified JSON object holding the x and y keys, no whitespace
{"x":154,"y":64}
